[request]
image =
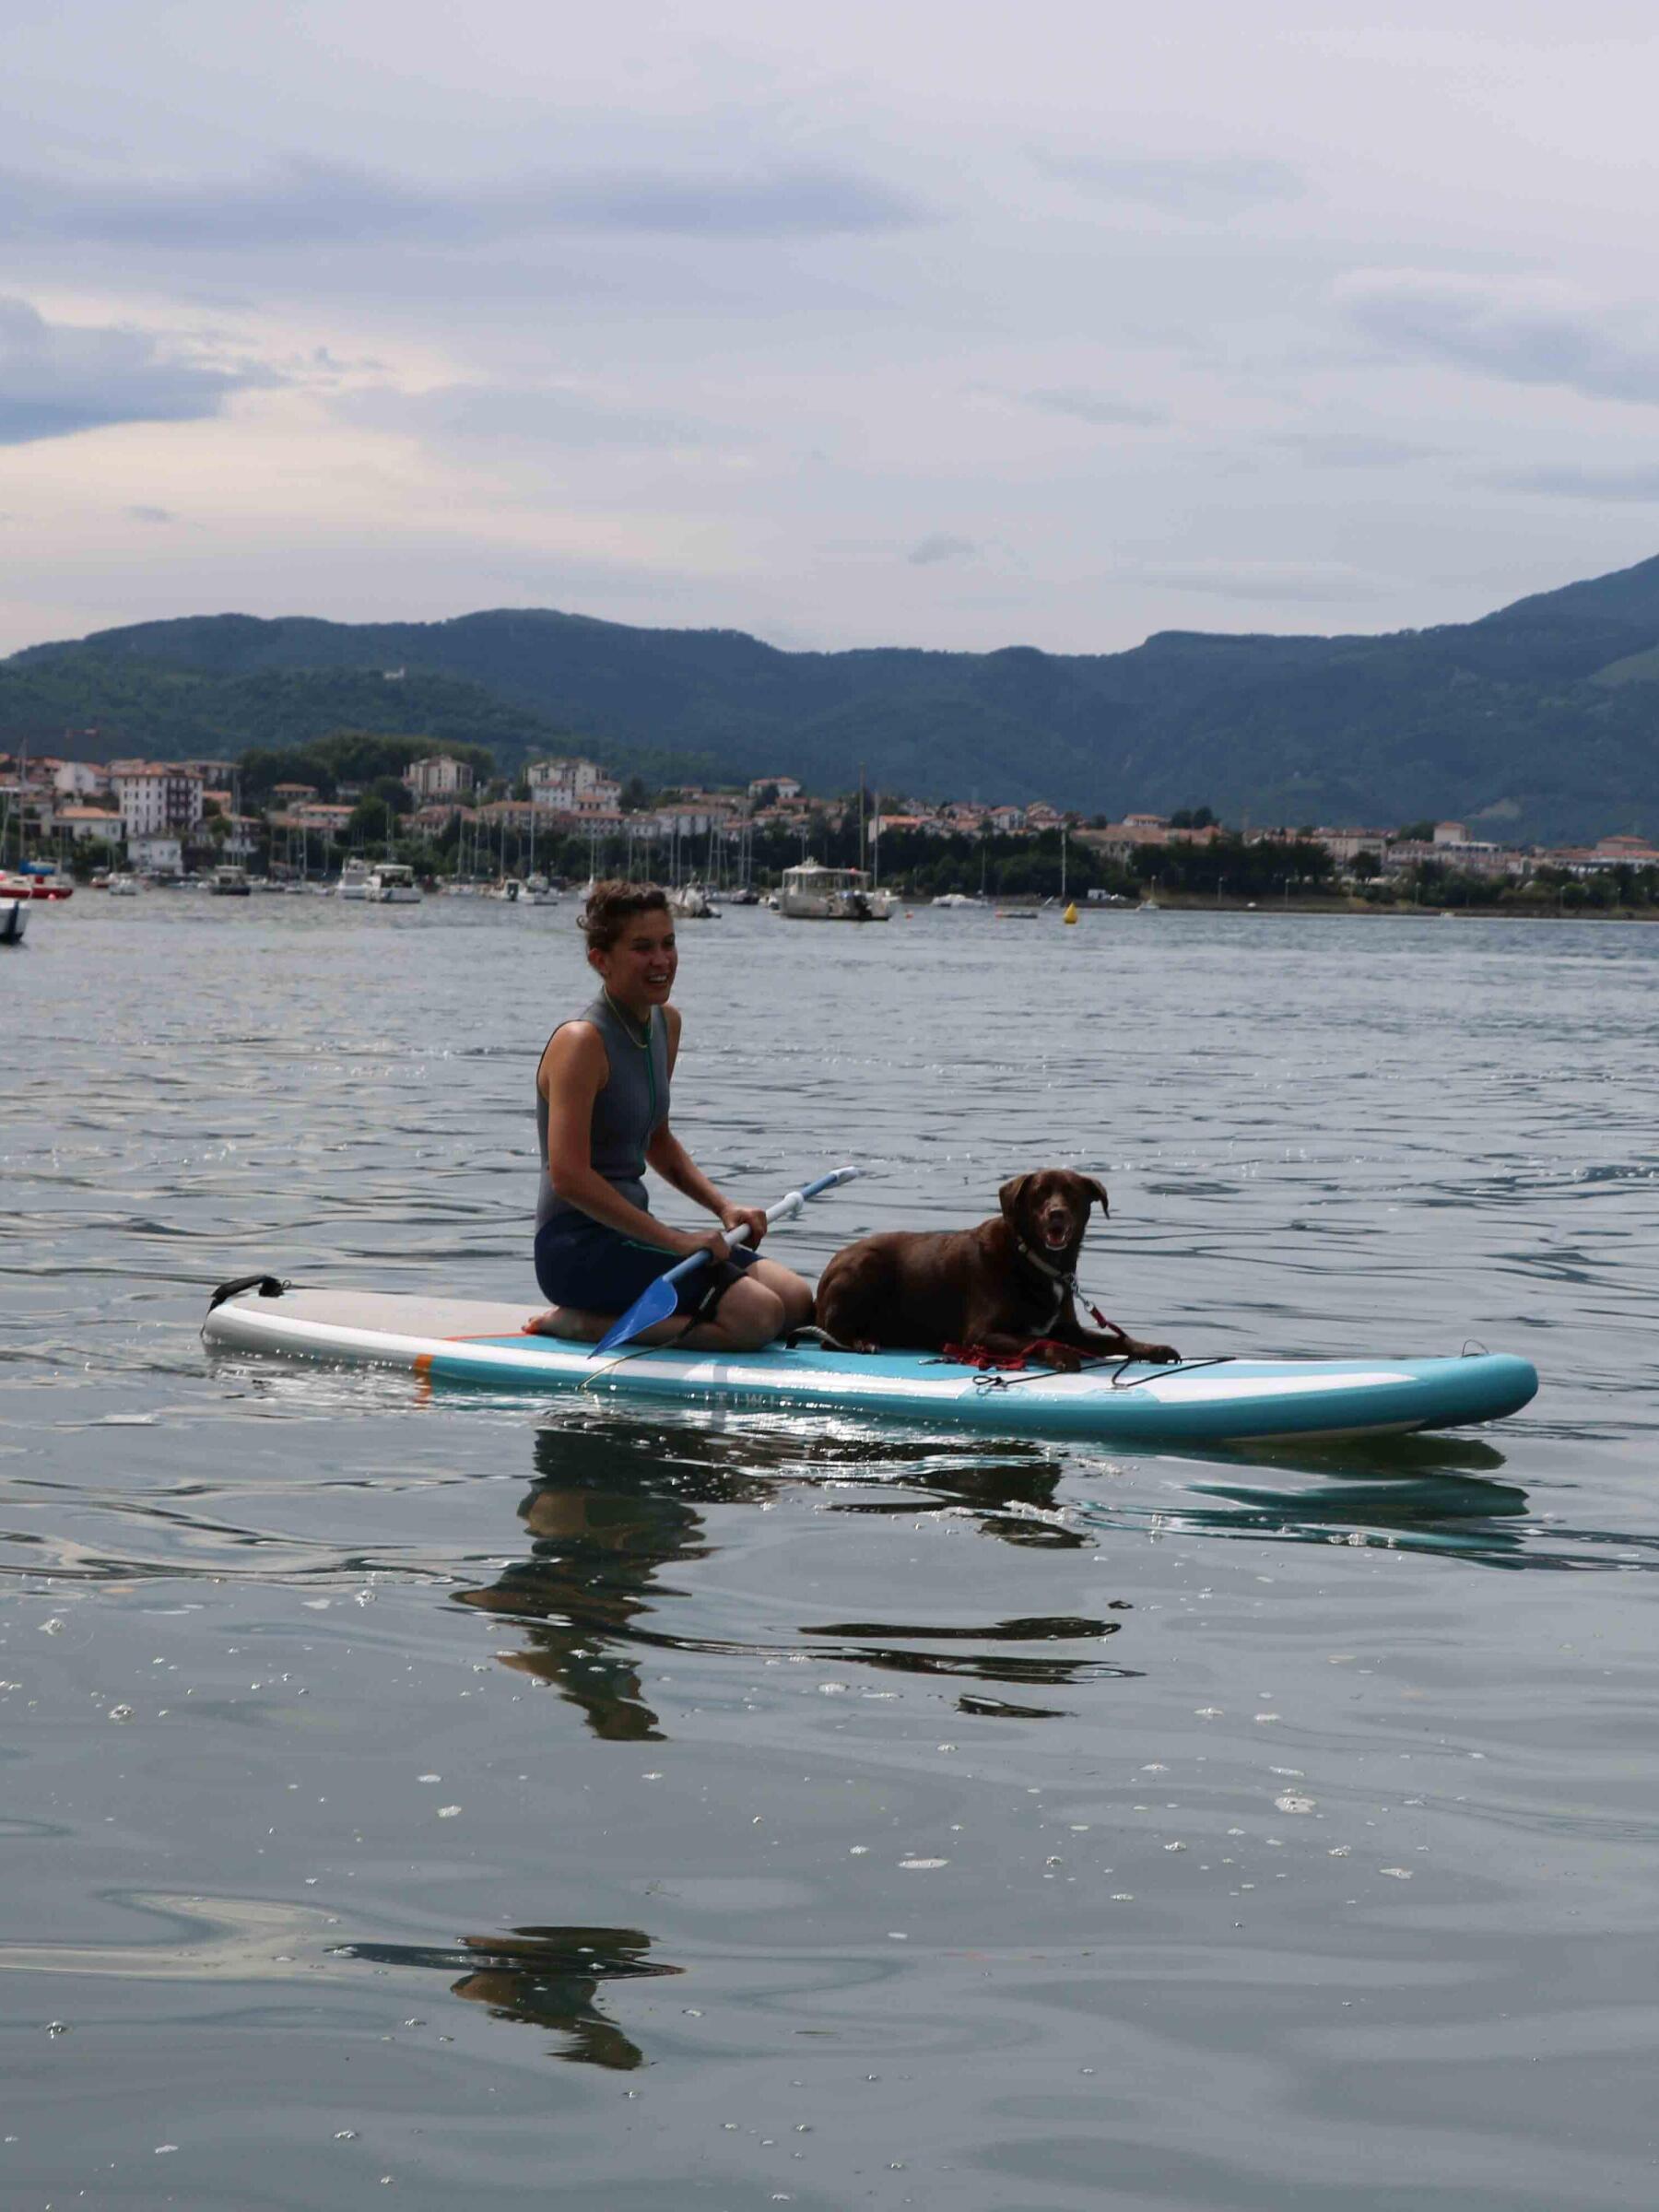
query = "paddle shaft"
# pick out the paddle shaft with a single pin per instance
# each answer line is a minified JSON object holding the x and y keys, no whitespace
{"x":787,"y":1206}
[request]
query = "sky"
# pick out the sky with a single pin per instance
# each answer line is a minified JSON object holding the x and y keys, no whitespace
{"x":924,"y":322}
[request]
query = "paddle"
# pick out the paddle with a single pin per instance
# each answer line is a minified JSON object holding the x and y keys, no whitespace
{"x":660,"y":1298}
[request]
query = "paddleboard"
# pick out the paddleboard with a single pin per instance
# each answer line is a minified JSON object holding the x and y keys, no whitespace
{"x":1200,"y":1401}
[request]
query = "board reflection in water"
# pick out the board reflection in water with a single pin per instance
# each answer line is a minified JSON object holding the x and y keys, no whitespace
{"x":619,"y":1516}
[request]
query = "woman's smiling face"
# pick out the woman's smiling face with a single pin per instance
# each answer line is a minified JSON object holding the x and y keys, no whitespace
{"x":639,"y":967}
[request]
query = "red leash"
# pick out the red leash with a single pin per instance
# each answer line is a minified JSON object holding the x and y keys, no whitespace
{"x":984,"y":1358}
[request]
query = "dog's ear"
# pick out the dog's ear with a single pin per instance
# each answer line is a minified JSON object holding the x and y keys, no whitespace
{"x":1097,"y":1190}
{"x":1009,"y":1196}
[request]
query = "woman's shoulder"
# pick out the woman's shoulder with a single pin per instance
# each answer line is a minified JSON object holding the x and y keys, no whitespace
{"x":575,"y":1046}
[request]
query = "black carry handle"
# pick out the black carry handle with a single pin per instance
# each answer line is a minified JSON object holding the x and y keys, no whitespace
{"x":268,"y":1286}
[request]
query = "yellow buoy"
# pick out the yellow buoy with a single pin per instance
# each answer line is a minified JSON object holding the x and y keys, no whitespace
{"x":1070,"y":914}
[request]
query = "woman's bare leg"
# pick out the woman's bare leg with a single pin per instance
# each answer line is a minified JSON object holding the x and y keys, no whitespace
{"x":786,"y":1286}
{"x":767,"y":1299}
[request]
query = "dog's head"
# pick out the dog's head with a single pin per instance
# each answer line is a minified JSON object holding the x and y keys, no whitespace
{"x":1048,"y":1211}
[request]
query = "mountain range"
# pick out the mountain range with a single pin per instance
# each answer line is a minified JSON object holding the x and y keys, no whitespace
{"x":1539,"y":721}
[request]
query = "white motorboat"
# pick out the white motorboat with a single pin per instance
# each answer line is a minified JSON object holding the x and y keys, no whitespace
{"x":510,"y":889}
{"x":690,"y":902}
{"x":812,"y":892}
{"x":354,"y":879}
{"x":122,"y":886}
{"x":956,"y":899}
{"x":13,"y":920}
{"x":231,"y":883}
{"x":539,"y":892}
{"x":392,"y":884}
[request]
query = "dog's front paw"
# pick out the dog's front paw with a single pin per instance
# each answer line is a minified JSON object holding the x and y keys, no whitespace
{"x":1157,"y":1355}
{"x":1063,"y":1357}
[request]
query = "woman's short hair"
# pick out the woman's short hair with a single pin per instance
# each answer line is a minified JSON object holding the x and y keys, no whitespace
{"x":612,"y":906}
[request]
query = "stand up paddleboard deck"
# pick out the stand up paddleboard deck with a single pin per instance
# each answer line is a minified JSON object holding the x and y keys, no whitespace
{"x":1201,"y":1401}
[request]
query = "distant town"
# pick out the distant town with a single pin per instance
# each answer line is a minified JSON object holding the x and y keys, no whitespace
{"x":447,"y":814}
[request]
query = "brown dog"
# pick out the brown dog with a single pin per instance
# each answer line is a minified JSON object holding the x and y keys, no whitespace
{"x":1008,"y":1284}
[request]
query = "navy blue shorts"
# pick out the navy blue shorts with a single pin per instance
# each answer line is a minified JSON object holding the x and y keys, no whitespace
{"x":581,"y":1262}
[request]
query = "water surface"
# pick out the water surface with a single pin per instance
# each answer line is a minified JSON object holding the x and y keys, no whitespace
{"x":518,"y":1801}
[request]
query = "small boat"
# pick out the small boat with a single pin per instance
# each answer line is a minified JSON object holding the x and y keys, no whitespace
{"x":814,"y":893}
{"x":539,"y":892}
{"x":745,"y":895}
{"x":510,"y":889}
{"x":354,"y":879}
{"x":122,"y":886}
{"x":1195,"y":1401}
{"x":14,"y":919}
{"x":36,"y":881}
{"x":955,"y":899}
{"x":692,"y":903}
{"x":230,"y":883}
{"x":393,"y":884}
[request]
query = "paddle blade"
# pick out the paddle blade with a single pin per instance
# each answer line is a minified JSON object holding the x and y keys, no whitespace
{"x":654,"y":1303}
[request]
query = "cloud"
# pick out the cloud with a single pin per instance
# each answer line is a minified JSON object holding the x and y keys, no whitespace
{"x":59,"y":378}
{"x":1351,"y":449}
{"x":1093,"y":408}
{"x":1639,"y":483}
{"x":1265,"y":580}
{"x":515,"y":414}
{"x":151,"y":514}
{"x":1523,"y":334}
{"x":300,"y":203}
{"x":1203,"y":188}
{"x":940,"y":546}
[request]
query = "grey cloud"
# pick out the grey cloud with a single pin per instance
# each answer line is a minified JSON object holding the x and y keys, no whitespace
{"x":518,"y":414}
{"x":1204,"y":188}
{"x":1499,"y":329}
{"x":151,"y":514}
{"x":305,"y":202}
{"x":1351,"y":449}
{"x":1637,"y":484}
{"x":1089,"y":407}
{"x":940,"y":546}
{"x":57,"y":378}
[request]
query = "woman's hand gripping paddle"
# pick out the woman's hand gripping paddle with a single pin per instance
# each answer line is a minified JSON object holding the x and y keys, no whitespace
{"x":659,"y":1300}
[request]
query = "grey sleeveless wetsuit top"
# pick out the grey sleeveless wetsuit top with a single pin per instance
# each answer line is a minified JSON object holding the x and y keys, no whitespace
{"x":631,"y":1107}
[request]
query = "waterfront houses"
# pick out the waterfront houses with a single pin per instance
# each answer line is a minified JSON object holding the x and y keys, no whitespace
{"x":438,"y":776}
{"x":573,"y":786}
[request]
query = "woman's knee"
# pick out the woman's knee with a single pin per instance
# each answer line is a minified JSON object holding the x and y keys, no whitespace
{"x":751,"y":1315}
{"x":792,"y":1294}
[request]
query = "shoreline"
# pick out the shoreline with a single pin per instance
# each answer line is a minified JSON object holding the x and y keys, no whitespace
{"x":1407,"y":912}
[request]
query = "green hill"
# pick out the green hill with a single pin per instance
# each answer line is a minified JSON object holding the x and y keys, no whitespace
{"x":1541,"y":720}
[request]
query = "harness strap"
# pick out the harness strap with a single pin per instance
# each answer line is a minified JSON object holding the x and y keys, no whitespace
{"x":1069,"y":1282}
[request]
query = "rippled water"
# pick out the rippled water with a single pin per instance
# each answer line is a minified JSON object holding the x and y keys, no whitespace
{"x":541,"y":1803}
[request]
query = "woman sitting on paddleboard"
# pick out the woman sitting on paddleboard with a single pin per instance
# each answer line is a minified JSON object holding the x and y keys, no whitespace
{"x":601,"y":1117}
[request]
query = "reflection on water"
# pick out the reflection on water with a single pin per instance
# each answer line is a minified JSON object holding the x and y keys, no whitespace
{"x":605,"y":1523}
{"x":616,"y":1509}
{"x":543,"y":1977}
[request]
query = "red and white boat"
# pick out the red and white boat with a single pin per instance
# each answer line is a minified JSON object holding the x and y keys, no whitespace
{"x":29,"y":885}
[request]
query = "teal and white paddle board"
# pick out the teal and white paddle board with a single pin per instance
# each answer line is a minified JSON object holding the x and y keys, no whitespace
{"x":1200,"y":1401}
